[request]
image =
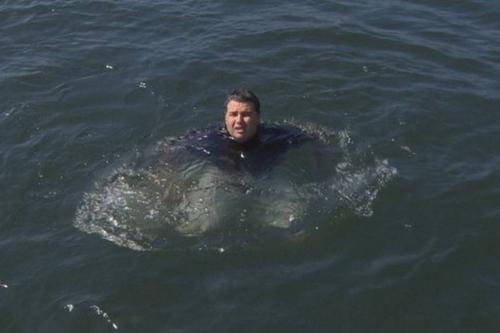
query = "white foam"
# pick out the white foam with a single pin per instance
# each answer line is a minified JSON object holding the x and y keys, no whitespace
{"x":104,"y":315}
{"x":145,"y":209}
{"x":407,"y":149}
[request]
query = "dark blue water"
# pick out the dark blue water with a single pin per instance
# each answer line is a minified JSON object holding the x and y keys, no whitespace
{"x":393,"y":228}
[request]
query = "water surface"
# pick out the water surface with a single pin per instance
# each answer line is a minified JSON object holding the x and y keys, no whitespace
{"x":404,"y":93}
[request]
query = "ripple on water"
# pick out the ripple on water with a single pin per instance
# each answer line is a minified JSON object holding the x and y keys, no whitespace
{"x":156,"y":202}
{"x":96,"y":310}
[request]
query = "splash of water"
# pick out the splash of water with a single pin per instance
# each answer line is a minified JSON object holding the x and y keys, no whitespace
{"x":181,"y":200}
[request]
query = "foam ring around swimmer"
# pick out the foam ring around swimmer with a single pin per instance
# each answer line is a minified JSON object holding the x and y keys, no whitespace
{"x":171,"y":198}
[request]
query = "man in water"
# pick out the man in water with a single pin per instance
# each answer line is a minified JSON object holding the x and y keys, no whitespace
{"x":239,"y":152}
{"x":243,"y":143}
{"x":221,"y":175}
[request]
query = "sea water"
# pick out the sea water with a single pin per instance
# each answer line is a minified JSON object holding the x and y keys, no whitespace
{"x":391,"y":227}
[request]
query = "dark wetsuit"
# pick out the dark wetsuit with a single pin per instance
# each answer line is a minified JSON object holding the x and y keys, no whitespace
{"x":253,"y":156}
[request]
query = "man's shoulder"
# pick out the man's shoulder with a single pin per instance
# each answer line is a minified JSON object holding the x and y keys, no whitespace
{"x":271,"y":132}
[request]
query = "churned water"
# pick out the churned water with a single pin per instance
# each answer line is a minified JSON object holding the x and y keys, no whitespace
{"x":183,"y":196}
{"x":387,"y":222}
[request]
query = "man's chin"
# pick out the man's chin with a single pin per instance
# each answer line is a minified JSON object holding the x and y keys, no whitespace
{"x":239,"y":137}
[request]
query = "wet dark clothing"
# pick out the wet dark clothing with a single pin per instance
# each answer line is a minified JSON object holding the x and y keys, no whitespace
{"x":254,"y":156}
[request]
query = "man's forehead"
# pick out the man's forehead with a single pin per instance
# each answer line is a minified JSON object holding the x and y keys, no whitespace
{"x":234,"y":105}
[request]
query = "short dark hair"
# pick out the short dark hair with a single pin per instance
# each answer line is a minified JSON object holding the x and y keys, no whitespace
{"x":243,"y":95}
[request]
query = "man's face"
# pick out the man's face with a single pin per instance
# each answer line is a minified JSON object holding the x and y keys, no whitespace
{"x":241,"y":121}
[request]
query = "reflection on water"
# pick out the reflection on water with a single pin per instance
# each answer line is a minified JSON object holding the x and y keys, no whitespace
{"x":171,"y":198}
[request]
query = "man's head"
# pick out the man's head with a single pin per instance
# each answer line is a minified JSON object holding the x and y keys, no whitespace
{"x":242,"y":114}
